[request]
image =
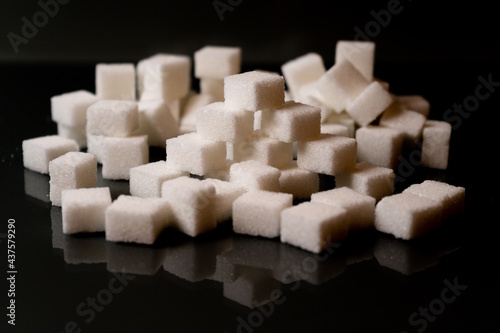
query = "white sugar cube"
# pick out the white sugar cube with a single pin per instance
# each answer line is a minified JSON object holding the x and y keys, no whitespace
{"x":188,"y":117}
{"x":360,"y":53}
{"x":38,"y":152}
{"x":335,"y":129}
{"x":94,"y":146}
{"x":415,"y":103}
{"x":263,"y":149}
{"x":369,"y":104}
{"x":221,"y":174}
{"x":257,"y":213}
{"x":411,"y":123}
{"x":292,"y":122}
{"x":119,"y":155}
{"x":379,"y":145}
{"x":326,"y":111}
{"x":340,"y":85}
{"x":299,"y":182}
{"x":407,"y":215}
{"x":368,"y":179}
{"x":302,"y":70}
{"x":115,"y":81}
{"x":112,"y":118}
{"x":189,"y":152}
{"x":452,"y":198}
{"x":255,"y":175}
{"x":192,"y":203}
{"x":164,"y":76}
{"x":312,"y":226}
{"x":436,"y":144}
{"x":136,"y":220}
{"x":69,"y":171}
{"x":83,"y":209}
{"x":157,"y":122}
{"x":217,"y":62}
{"x":146,"y":180}
{"x":329,"y":154}
{"x":225,"y":194}
{"x":220,"y":122}
{"x":70,"y":109}
{"x":360,"y":208}
{"x":79,"y":134}
{"x":343,"y":118}
{"x":254,"y":91}
{"x":212,"y":87}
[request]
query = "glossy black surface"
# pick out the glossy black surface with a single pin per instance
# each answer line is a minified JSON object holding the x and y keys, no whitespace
{"x":369,"y":283}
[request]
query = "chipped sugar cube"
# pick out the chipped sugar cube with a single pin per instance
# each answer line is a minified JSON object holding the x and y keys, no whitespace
{"x":157,"y":122}
{"x":360,"y":208}
{"x":70,"y":109}
{"x":312,"y":226}
{"x":119,"y":155}
{"x":133,"y":219}
{"x":217,"y":62}
{"x":379,"y":145}
{"x":225,"y":194}
{"x":255,"y":175}
{"x":254,"y":90}
{"x":257,"y":213}
{"x":360,"y":53}
{"x":368,"y":179}
{"x":299,"y":182}
{"x":113,"y":118}
{"x":83,"y":209}
{"x":146,"y":180}
{"x":115,"y":81}
{"x":219,"y":122}
{"x":407,"y":216}
{"x":38,"y":152}
{"x":436,"y":144}
{"x":329,"y":154}
{"x":190,"y":152}
{"x":369,"y":104}
{"x":302,"y":70}
{"x":292,"y":122}
{"x":69,"y":171}
{"x":192,"y":204}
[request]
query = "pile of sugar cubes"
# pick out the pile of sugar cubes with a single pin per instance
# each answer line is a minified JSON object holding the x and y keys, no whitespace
{"x":244,"y":148}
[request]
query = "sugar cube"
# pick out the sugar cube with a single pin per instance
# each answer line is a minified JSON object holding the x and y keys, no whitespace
{"x":38,"y":152}
{"x":189,"y":152}
{"x":452,"y":198}
{"x":360,"y":208}
{"x":335,"y":129}
{"x":302,"y":70}
{"x":157,"y":122}
{"x":436,"y":144}
{"x":369,"y":104}
{"x":146,"y":180}
{"x":225,"y":194}
{"x":70,"y":109}
{"x":415,"y":103}
{"x":69,"y":171}
{"x":368,"y":179}
{"x":329,"y":154}
{"x":213,"y":87}
{"x":217,"y":62}
{"x":220,"y":122}
{"x":192,"y":203}
{"x":263,"y":149}
{"x":136,"y":220}
{"x":83,"y":209}
{"x":360,"y":53}
{"x":299,"y":182}
{"x":312,"y":226}
{"x":343,"y":118}
{"x":188,"y":117}
{"x":292,"y":121}
{"x":411,"y":123}
{"x":257,"y":213}
{"x":79,"y":134}
{"x":407,"y":216}
{"x":112,"y":118}
{"x":255,"y":175}
{"x":115,"y":81}
{"x":119,"y":155}
{"x":254,"y":90}
{"x":94,"y":146}
{"x":379,"y":145}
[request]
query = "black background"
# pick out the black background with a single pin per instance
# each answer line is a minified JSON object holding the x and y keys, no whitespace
{"x":437,"y":50}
